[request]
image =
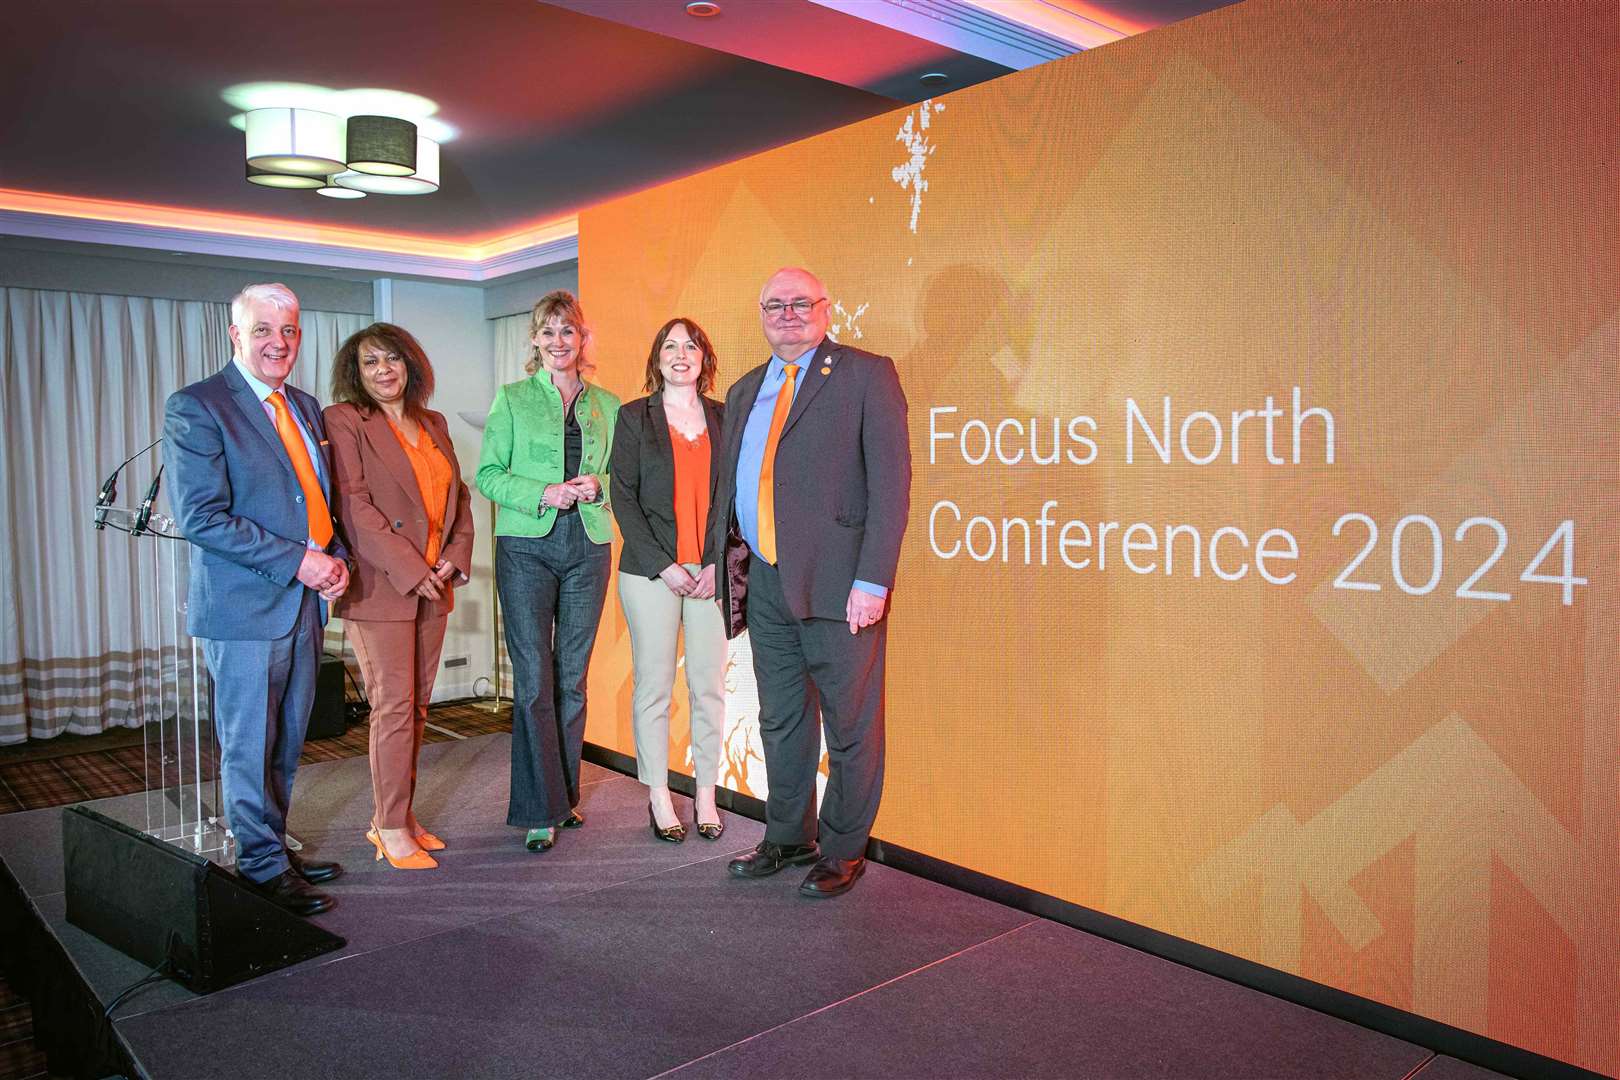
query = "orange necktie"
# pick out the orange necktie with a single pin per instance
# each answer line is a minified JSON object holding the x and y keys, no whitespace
{"x":320,"y":518}
{"x":767,"y":467}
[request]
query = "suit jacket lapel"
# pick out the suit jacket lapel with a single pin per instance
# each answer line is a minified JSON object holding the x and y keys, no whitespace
{"x":711,"y":415}
{"x":392,"y":455}
{"x":746,"y":390}
{"x":441,"y":439}
{"x":659,"y":420}
{"x":253,"y":409}
{"x":812,"y":379}
{"x":312,"y":424}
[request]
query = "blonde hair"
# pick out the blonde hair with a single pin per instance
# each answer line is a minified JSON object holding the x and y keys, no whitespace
{"x":564,"y":306}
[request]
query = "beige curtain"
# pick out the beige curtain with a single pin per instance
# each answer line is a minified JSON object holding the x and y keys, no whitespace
{"x":88,"y":623}
{"x":510,"y":347}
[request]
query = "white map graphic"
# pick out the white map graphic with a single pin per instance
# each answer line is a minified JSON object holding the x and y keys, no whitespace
{"x":844,"y":320}
{"x":913,"y":134}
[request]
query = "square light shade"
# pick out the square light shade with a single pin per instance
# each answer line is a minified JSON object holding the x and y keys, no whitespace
{"x":299,"y":141}
{"x":425,"y":180}
{"x":266,"y":178}
{"x":381,"y":145}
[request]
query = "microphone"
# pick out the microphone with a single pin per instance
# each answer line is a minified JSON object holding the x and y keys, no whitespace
{"x":144,"y":515}
{"x":109,"y":490}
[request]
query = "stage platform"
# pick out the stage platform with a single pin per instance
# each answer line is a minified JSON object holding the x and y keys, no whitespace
{"x":615,"y":955}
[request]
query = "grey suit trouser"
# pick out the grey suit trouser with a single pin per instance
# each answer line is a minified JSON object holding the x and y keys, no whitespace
{"x":803,"y":666}
{"x":263,"y":691}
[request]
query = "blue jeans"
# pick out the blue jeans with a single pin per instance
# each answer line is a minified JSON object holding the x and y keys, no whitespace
{"x":552,"y":589}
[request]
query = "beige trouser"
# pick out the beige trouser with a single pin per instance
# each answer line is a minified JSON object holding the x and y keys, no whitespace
{"x":656,"y":616}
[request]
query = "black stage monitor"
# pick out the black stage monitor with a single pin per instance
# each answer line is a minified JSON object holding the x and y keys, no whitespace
{"x":157,"y":902}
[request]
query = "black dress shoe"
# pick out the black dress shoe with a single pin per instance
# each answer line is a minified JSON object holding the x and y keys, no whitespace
{"x":767,"y":858}
{"x":831,"y":877}
{"x":675,"y":834}
{"x":292,"y":892}
{"x":313,"y":871}
{"x":574,"y":820}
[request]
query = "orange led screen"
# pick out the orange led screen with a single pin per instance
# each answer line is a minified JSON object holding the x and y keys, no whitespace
{"x":1260,"y":582}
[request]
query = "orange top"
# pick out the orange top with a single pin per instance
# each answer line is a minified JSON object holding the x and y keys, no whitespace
{"x":433,"y":480}
{"x":691,"y":494}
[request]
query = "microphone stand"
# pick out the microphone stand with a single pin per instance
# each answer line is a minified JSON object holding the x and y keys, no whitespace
{"x":183,"y":798}
{"x":143,"y":516}
{"x":109,"y":490}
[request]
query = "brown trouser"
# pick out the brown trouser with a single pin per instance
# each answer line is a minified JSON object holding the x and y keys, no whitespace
{"x":398,"y":661}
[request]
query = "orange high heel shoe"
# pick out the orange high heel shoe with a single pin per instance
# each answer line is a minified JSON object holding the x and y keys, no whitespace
{"x":429,"y":842}
{"x":416,"y":860}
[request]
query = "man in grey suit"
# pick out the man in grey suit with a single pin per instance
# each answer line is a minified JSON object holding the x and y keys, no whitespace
{"x":817,"y":476}
{"x":250,"y":479}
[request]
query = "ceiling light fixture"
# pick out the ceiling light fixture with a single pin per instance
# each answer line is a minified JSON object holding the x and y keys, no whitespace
{"x":381,"y":146}
{"x":703,"y":9}
{"x":334,"y":190}
{"x":364,"y":101}
{"x":340,"y":155}
{"x":934,"y":79}
{"x":299,"y":141}
{"x":424,"y":181}
{"x":288,"y":181}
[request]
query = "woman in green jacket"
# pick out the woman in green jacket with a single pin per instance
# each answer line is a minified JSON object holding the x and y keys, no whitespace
{"x":545,"y":464}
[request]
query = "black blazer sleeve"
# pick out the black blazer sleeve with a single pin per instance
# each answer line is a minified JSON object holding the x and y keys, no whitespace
{"x":642,"y":548}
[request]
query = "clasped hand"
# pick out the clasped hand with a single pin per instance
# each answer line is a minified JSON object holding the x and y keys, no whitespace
{"x":682,"y":583}
{"x":567,"y":493}
{"x":436,"y":583}
{"x":324,"y":574}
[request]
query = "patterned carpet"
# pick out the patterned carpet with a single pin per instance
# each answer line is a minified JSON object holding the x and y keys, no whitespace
{"x":31,"y":781}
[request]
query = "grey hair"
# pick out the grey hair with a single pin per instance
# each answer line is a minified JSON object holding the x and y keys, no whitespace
{"x":276,"y":293}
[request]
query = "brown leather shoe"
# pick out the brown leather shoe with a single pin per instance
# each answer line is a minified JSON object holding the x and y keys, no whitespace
{"x":767,"y":858}
{"x":287,"y":889}
{"x":832,"y":877}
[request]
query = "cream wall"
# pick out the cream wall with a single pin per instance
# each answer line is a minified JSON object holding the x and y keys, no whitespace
{"x":455,"y":324}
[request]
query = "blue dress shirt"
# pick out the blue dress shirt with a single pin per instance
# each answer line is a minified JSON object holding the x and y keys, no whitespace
{"x":752,"y":453}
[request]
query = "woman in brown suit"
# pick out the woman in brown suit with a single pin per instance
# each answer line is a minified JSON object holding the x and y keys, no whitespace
{"x":406,"y":515}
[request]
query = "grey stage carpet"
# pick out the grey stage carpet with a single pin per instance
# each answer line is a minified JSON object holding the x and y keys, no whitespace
{"x":615,"y":955}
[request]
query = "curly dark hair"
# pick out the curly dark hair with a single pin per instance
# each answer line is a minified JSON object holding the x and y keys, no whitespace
{"x":655,"y":377}
{"x":346,"y":384}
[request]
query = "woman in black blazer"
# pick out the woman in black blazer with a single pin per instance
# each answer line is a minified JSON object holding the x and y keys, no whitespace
{"x":666,"y":459}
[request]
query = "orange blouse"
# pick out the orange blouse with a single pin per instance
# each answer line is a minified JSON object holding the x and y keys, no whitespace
{"x":433,"y":480}
{"x":691,"y":494}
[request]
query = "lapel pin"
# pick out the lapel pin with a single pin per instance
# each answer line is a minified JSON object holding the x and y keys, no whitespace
{"x":826,"y":371}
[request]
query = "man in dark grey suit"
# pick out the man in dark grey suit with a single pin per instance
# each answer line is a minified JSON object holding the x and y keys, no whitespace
{"x":817,"y":478}
{"x":251,"y":476}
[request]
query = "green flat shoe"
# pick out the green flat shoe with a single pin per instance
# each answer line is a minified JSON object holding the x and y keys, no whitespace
{"x":540,"y":839}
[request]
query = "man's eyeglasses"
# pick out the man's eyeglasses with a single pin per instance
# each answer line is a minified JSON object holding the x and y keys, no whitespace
{"x":801,"y":307}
